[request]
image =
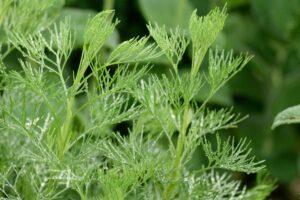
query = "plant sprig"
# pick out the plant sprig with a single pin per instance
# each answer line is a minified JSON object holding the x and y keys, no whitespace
{"x":58,"y":129}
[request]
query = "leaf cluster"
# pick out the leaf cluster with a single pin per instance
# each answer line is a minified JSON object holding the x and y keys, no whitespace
{"x":59,"y":129}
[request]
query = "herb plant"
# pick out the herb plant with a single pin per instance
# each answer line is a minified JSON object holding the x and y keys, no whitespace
{"x":57,"y":130}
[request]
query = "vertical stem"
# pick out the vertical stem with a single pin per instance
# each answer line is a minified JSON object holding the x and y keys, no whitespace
{"x":65,"y":132}
{"x":108,"y":4}
{"x":178,"y":157}
{"x":180,"y":11}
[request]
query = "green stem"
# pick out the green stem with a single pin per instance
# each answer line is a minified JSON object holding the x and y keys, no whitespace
{"x":108,"y":4}
{"x":65,"y":133}
{"x":178,"y":157}
{"x":180,"y":11}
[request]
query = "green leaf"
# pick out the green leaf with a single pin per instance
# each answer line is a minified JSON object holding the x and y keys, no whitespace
{"x":231,"y":156}
{"x":223,"y":66}
{"x":29,"y":16}
{"x":134,"y":50}
{"x":204,"y":31}
{"x":98,"y":30}
{"x":290,"y":115}
{"x":216,"y":120}
{"x":173,"y":43}
{"x":78,"y":19}
{"x":213,"y":185}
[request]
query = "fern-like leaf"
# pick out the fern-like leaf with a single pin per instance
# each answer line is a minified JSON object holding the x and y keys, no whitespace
{"x":231,"y":156}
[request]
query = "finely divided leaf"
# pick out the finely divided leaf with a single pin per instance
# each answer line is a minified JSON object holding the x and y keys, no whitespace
{"x":204,"y":31}
{"x":223,"y":67}
{"x":231,"y":156}
{"x":172,"y":42}
{"x":99,"y":28}
{"x":212,"y":186}
{"x":213,"y":121}
{"x":290,"y":115}
{"x":134,"y":50}
{"x":28,"y":16}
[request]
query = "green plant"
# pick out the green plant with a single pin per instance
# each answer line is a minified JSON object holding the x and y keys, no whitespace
{"x":58,"y":140}
{"x":290,"y":115}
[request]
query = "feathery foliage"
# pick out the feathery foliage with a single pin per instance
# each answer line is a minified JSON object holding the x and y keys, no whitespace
{"x":173,"y":43}
{"x":58,"y":131}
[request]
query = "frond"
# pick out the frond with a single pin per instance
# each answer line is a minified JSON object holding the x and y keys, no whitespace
{"x":98,"y":29}
{"x":212,"y":185}
{"x":172,"y":42}
{"x":28,"y":16}
{"x":211,"y":121}
{"x":204,"y":31}
{"x":223,"y":67}
{"x":134,"y":50}
{"x":231,"y":156}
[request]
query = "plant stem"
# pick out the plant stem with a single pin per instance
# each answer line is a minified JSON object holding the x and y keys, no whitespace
{"x":65,"y":133}
{"x":180,"y":11}
{"x":108,"y":4}
{"x":179,"y":150}
{"x":65,"y":130}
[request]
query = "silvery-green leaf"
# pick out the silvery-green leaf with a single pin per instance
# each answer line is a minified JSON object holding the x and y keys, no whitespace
{"x":290,"y":115}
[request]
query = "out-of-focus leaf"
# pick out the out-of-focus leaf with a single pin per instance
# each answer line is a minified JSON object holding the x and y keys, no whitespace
{"x":90,"y":4}
{"x":290,"y":115}
{"x":284,"y":166}
{"x":246,"y":87}
{"x":170,"y":13}
{"x":277,"y":17}
{"x":203,"y":6}
{"x":236,"y":3}
{"x":287,"y":84}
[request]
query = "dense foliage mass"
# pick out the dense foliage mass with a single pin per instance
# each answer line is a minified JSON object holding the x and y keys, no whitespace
{"x":58,"y":127}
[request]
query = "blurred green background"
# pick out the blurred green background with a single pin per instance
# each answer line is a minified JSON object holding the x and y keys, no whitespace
{"x":267,"y":29}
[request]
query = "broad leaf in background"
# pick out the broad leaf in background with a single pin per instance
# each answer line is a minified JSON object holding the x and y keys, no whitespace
{"x":290,"y":115}
{"x":170,"y":13}
{"x":279,"y":22}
